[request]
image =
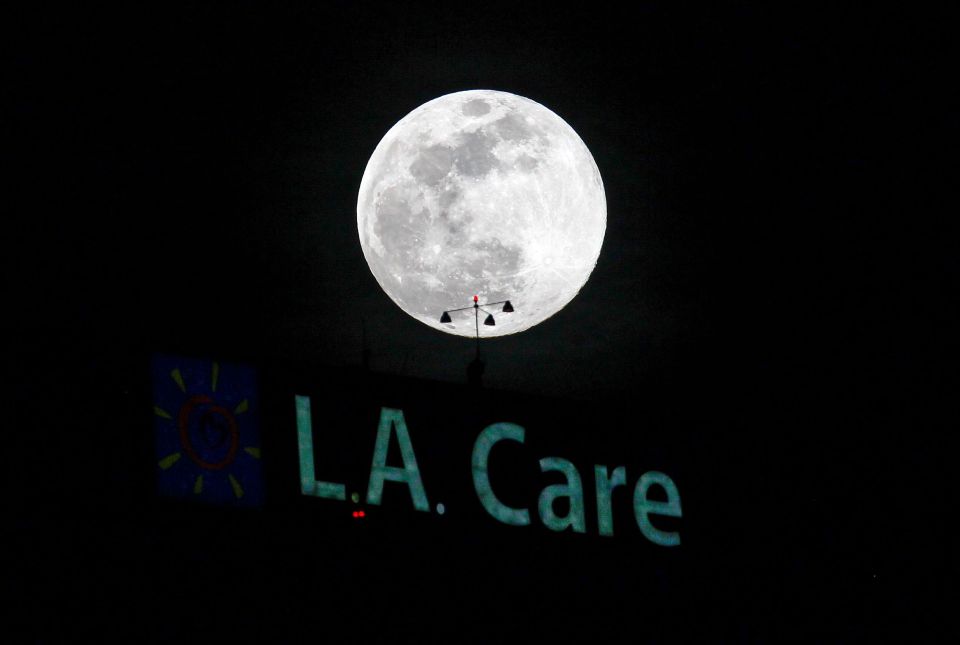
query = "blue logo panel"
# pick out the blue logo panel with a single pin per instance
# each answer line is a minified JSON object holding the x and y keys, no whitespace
{"x":207,"y":431}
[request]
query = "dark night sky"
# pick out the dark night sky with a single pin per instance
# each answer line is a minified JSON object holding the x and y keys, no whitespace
{"x":191,"y":177}
{"x":185,"y":179}
{"x":198,"y":168}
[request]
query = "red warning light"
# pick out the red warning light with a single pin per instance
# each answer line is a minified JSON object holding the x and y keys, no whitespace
{"x":357,"y":514}
{"x":476,"y":299}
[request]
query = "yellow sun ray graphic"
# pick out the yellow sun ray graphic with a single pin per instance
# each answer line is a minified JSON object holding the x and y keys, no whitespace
{"x":198,"y":485}
{"x":242,"y":407}
{"x":215,"y":376}
{"x":237,"y":488}
{"x":178,"y":379}
{"x":160,"y":412}
{"x":252,"y":451}
{"x":170,"y":460}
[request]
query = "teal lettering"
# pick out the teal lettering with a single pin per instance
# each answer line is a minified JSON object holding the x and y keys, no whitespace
{"x":572,"y":490}
{"x":380,"y":472}
{"x":643,"y":507}
{"x":308,"y":482}
{"x":605,"y":486}
{"x":481,"y":479}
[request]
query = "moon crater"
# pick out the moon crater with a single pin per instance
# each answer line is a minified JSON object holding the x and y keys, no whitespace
{"x":481,"y":192}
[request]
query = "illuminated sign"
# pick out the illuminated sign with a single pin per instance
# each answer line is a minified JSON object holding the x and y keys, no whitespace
{"x":392,"y":425}
{"x":400,"y":446}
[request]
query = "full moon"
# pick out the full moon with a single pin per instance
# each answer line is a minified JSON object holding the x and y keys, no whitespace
{"x":481,"y":193}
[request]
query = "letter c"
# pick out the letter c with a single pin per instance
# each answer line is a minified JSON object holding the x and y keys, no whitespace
{"x":481,"y":480}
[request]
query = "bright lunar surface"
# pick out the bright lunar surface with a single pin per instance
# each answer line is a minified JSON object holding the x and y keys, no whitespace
{"x":481,"y":193}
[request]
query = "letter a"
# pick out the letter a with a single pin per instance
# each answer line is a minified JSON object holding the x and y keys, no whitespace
{"x":572,"y":490}
{"x":380,"y":471}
